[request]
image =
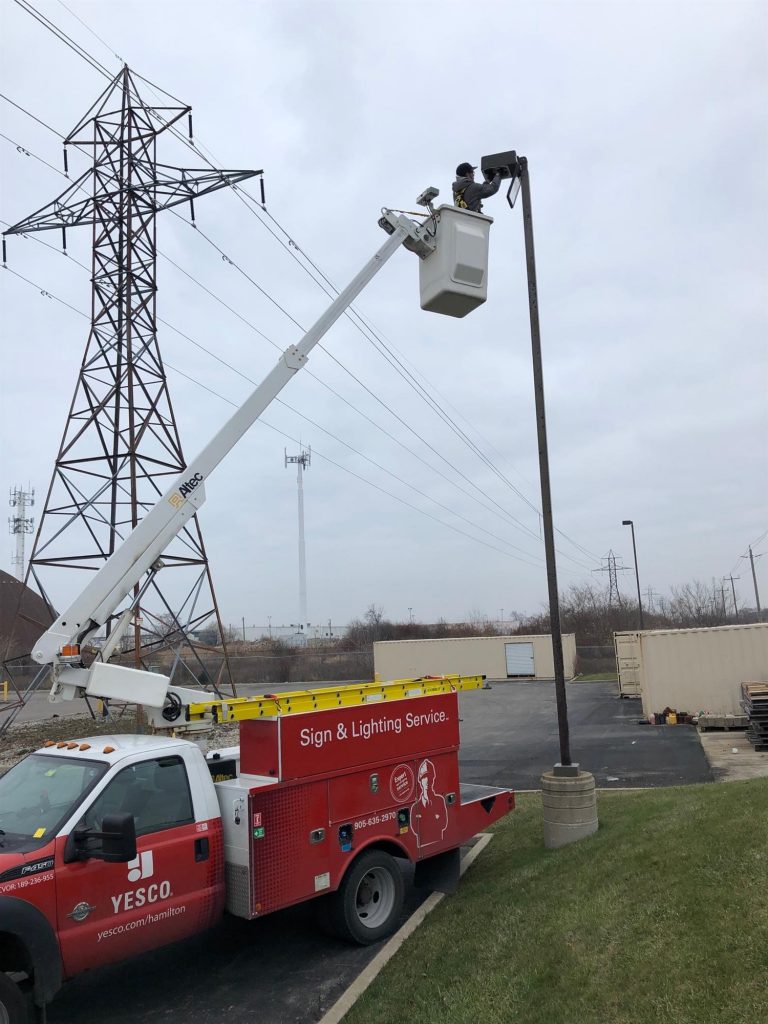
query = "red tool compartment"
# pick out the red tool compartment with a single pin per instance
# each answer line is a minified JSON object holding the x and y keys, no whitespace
{"x":382,"y":773}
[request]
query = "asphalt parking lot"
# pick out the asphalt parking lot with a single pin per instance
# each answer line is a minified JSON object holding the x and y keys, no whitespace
{"x":282,"y":969}
{"x":509,"y":737}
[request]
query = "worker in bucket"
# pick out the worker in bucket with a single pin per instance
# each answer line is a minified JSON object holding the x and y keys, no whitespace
{"x":429,"y":815}
{"x":467,"y":193}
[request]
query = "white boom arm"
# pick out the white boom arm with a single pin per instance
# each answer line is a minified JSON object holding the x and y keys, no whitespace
{"x":143,"y":547}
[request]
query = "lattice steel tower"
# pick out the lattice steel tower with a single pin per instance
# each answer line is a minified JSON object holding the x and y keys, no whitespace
{"x":613,"y":580}
{"x":121,"y":445}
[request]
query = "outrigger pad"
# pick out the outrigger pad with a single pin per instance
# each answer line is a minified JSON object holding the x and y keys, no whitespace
{"x":440,"y":873}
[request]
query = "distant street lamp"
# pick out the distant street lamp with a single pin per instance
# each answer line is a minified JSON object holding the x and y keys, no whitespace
{"x":628,"y":522}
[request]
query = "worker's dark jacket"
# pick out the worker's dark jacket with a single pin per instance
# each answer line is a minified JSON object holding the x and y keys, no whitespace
{"x":474,"y":191}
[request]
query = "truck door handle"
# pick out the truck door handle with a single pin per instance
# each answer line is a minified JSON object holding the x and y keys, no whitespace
{"x":201,"y":848}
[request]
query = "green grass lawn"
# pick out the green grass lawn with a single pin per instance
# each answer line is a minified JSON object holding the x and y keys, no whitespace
{"x":660,"y":917}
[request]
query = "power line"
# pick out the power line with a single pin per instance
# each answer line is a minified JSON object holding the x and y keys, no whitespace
{"x":293,"y":250}
{"x":63,"y":37}
{"x":505,"y":513}
{"x":352,"y":313}
{"x":25,"y":111}
{"x":502,"y":513}
{"x":50,"y":295}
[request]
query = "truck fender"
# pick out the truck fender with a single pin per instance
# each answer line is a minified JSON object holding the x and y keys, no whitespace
{"x":28,"y":943}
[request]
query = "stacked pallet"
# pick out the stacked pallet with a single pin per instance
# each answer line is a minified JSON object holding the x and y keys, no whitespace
{"x":755,"y":703}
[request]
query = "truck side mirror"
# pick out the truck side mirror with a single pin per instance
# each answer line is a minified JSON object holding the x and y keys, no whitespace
{"x":115,"y":844}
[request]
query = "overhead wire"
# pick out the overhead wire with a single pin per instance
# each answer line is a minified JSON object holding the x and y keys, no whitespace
{"x":499,"y":510}
{"x":44,"y":292}
{"x":242,"y":193}
{"x":504,"y":511}
{"x":352,"y":313}
{"x":302,"y":415}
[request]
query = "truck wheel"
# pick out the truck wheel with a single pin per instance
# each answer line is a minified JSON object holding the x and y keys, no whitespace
{"x":369,"y":900}
{"x":13,"y":1005}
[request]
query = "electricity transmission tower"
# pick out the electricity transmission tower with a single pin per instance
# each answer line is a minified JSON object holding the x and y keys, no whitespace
{"x":20,"y":525}
{"x":120,"y":447}
{"x":612,"y":569}
{"x":303,"y":461}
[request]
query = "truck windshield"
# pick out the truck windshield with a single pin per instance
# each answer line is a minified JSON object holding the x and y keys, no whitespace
{"x":39,"y":793}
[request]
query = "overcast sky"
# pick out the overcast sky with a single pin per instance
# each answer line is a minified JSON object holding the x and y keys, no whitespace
{"x":647,"y":138}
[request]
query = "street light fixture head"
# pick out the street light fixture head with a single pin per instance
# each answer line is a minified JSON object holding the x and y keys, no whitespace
{"x":626,"y":522}
{"x":508,"y":165}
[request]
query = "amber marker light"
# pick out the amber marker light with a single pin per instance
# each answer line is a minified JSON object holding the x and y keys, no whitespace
{"x":108,"y":750}
{"x":85,"y":746}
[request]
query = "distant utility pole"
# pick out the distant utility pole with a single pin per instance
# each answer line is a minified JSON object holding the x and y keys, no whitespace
{"x":733,"y":591}
{"x":303,"y":461}
{"x":650,"y":594}
{"x":20,"y":524}
{"x":754,"y":580}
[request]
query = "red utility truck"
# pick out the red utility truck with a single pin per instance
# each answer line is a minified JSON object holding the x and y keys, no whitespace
{"x":114,"y":845}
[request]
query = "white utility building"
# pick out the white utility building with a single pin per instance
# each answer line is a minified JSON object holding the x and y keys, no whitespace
{"x":497,"y":657}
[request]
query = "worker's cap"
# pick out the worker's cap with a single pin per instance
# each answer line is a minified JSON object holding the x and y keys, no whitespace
{"x":463,"y":169}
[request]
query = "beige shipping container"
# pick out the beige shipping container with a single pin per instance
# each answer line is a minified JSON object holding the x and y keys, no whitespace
{"x":497,"y":657}
{"x":697,"y":670}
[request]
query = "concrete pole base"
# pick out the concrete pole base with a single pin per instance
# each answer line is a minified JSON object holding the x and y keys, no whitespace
{"x":570,"y":807}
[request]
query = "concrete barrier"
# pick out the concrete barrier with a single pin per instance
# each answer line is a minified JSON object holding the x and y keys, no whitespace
{"x":570,"y":807}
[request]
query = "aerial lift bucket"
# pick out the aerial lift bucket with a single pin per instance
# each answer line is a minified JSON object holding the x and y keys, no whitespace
{"x":454,"y":278}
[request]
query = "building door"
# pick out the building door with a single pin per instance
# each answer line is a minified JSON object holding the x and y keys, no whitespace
{"x":519,"y":660}
{"x":628,"y":663}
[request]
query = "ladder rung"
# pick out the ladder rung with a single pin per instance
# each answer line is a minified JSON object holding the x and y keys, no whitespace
{"x":295,"y":702}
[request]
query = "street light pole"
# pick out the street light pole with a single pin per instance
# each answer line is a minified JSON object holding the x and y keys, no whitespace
{"x":628,"y":522}
{"x":546,"y":494}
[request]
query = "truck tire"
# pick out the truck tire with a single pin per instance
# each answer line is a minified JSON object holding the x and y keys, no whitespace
{"x":369,"y":901}
{"x":13,"y":1005}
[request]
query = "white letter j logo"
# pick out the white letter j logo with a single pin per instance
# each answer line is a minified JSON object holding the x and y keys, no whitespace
{"x":141,"y":867}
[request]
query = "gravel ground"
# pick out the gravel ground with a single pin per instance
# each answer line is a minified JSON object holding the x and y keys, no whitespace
{"x":21,"y":740}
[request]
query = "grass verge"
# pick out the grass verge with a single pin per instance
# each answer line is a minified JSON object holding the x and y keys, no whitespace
{"x":660,"y":917}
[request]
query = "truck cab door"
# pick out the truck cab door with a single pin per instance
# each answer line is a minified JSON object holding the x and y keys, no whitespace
{"x":107,"y":911}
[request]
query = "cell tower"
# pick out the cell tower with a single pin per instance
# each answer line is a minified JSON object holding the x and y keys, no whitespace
{"x":20,"y":524}
{"x":612,"y":569}
{"x":121,"y":446}
{"x":303,"y":461}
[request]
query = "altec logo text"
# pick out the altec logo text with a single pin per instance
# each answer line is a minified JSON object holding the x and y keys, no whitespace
{"x":138,"y":868}
{"x":189,"y":485}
